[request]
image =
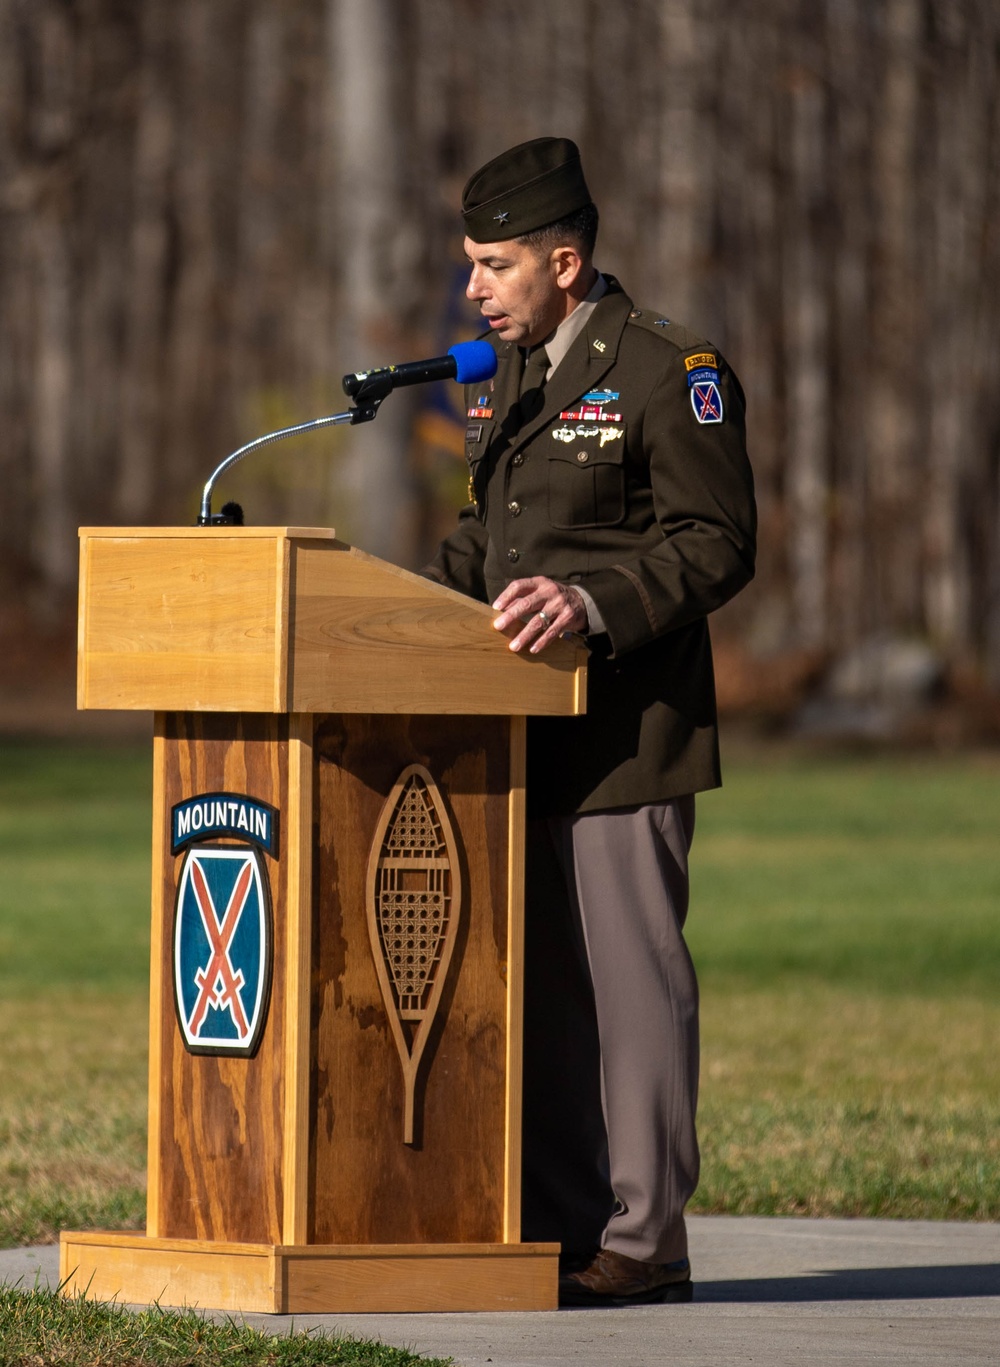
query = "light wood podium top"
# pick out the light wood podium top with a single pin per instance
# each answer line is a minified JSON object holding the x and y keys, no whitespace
{"x":288,"y":619}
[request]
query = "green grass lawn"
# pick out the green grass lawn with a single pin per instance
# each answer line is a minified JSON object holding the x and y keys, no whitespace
{"x":845,"y":925}
{"x":74,"y":945}
{"x":41,"y":1328}
{"x":844,"y":922}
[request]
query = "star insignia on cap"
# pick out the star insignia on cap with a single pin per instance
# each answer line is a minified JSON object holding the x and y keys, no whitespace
{"x":501,"y":217}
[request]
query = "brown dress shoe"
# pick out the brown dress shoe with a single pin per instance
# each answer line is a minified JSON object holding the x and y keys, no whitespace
{"x":613,"y":1279}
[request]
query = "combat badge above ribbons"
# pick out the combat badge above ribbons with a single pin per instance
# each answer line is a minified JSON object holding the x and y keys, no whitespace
{"x":222,"y":924}
{"x":592,"y":407}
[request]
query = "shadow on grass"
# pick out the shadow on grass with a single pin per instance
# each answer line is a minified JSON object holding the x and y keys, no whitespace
{"x":860,"y":1284}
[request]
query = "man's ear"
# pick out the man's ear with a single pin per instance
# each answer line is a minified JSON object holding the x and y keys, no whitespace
{"x":567,"y":264}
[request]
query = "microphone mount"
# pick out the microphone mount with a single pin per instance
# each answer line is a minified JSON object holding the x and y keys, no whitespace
{"x":367,"y":399}
{"x":467,"y":362}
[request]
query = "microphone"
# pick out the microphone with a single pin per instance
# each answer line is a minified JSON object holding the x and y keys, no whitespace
{"x":466,"y":362}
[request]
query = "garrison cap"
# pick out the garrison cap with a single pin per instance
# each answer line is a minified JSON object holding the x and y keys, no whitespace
{"x":525,"y":188}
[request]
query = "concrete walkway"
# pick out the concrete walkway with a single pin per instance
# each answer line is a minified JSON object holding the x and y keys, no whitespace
{"x":774,"y":1292}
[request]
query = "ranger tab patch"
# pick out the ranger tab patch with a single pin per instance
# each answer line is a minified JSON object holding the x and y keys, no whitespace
{"x":699,"y":359}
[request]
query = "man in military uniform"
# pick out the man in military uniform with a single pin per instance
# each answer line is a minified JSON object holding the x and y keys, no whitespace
{"x":610,"y":496}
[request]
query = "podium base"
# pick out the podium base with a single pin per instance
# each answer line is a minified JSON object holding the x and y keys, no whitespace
{"x":308,"y":1279}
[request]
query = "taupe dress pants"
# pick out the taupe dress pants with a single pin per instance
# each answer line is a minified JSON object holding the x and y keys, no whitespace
{"x":611,"y":1032}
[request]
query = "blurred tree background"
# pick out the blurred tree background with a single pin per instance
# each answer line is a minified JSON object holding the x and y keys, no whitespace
{"x":210,"y":209}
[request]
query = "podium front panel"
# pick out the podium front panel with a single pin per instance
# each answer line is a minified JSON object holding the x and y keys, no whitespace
{"x":381,"y":1102}
{"x":217,"y":1130}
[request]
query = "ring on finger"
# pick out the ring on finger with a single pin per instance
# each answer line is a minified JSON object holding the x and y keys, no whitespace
{"x":545,"y":620}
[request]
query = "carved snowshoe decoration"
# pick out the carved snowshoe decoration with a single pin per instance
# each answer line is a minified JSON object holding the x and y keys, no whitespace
{"x":414,"y":903}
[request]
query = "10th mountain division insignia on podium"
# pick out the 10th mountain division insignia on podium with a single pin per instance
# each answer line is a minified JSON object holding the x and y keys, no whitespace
{"x":222,"y":923}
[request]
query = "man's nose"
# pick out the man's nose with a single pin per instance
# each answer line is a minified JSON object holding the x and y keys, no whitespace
{"x":474,"y":289}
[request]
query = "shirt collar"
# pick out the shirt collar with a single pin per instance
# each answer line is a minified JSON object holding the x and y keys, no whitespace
{"x":559,"y":343}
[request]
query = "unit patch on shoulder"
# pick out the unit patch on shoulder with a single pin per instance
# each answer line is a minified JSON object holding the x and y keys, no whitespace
{"x":706,"y":401}
{"x":701,"y":359}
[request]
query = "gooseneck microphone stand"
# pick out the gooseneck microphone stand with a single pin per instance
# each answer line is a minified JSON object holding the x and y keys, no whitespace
{"x":367,"y":397}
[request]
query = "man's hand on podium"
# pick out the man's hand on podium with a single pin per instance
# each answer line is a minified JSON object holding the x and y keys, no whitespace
{"x":548,"y":610}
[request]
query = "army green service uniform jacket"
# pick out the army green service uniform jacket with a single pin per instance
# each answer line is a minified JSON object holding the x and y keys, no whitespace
{"x":651,"y":510}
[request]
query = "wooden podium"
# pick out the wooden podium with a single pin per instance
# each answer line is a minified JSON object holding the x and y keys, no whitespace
{"x":337,"y":914}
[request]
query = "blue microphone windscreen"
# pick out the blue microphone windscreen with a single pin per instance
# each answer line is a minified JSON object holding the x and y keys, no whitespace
{"x":474,"y":361}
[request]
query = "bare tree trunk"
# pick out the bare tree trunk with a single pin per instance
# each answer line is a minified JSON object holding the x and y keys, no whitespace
{"x":52,"y":523}
{"x":807,"y":365}
{"x":686,"y":146}
{"x":891,"y":418}
{"x":377,"y":245}
{"x":53,"y":530}
{"x":955,"y":287}
{"x":141,"y":434}
{"x":853,"y":611}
